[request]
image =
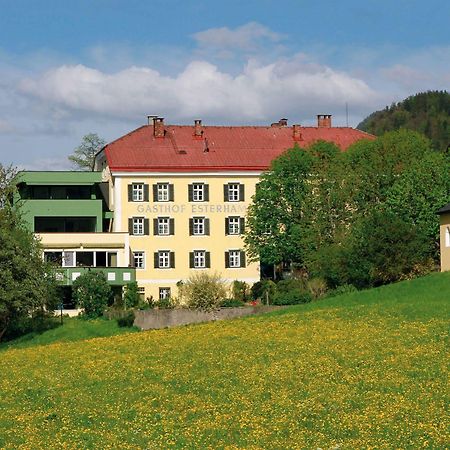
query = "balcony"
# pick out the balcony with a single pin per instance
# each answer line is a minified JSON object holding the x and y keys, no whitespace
{"x":116,"y":276}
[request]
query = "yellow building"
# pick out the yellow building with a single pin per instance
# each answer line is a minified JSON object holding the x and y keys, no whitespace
{"x":182,"y":192}
{"x":445,"y":237}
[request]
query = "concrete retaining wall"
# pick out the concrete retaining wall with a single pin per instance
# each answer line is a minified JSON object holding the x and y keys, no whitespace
{"x":163,"y":318}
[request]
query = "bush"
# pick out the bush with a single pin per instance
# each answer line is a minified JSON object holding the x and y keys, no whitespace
{"x":340,"y":290}
{"x":126,"y":320}
{"x":91,"y":292}
{"x":131,"y":296}
{"x":231,"y":303}
{"x":293,"y":297}
{"x":317,"y":287}
{"x":263,"y":290}
{"x":240,"y":291}
{"x":291,"y":284}
{"x":203,"y":291}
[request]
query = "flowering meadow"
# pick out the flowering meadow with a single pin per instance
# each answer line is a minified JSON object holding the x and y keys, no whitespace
{"x":358,"y":371}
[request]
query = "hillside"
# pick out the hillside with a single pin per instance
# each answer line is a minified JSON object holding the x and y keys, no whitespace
{"x":363,"y":370}
{"x":426,"y":112}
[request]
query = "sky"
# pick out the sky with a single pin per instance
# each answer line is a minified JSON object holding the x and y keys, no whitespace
{"x":101,"y":66}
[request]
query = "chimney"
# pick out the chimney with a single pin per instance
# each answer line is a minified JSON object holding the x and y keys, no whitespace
{"x":296,"y":133}
{"x":324,"y":120}
{"x":198,"y":131}
{"x":158,"y":127}
{"x":280,"y":123}
{"x":150,"y":119}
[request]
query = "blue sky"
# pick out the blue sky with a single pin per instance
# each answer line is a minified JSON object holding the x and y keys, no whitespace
{"x":67,"y":69}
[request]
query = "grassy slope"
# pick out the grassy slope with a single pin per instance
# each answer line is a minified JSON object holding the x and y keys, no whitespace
{"x":362,"y":370}
{"x":73,"y":329}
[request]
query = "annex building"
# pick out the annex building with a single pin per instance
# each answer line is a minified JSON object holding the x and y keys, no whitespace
{"x":163,"y":201}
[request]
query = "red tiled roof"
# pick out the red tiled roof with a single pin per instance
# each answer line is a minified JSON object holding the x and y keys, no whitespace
{"x":219,"y":148}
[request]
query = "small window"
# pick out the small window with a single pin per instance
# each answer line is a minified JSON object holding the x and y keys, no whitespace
{"x":234,"y":192}
{"x":234,"y":225}
{"x":198,"y":192}
{"x":138,"y":226}
{"x":138,"y":192}
{"x":163,"y":226}
{"x":447,"y":237}
{"x":199,"y":259}
{"x":199,"y":226}
{"x":164,"y":293}
{"x":139,"y":260}
{"x":234,"y":259}
{"x":164,"y":259}
{"x":54,"y":258}
{"x":141,"y":291}
{"x":163,"y":192}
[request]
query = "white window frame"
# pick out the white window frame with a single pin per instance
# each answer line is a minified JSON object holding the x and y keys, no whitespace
{"x":234,"y":225}
{"x":138,"y":226}
{"x":198,"y":192}
{"x":137,"y":191}
{"x":162,"y":192}
{"x":163,"y":226}
{"x":233,"y":192}
{"x":164,"y":259}
{"x":198,"y":226}
{"x":139,"y":259}
{"x":199,"y":259}
{"x":447,"y":236}
{"x":234,"y":258}
{"x":164,"y":293}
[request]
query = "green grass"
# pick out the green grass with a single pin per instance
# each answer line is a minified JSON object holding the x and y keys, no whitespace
{"x":364,"y":370}
{"x":72,"y":329}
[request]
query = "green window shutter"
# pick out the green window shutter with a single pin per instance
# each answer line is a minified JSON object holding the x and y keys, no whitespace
{"x":156,"y":259}
{"x":130,"y":192}
{"x":208,"y":260}
{"x":207,"y":227}
{"x":171,"y":193}
{"x":172,"y":260}
{"x":241,"y":225}
{"x":206,"y":192}
{"x":225,"y":192}
{"x":171,"y":227}
{"x":155,"y":192}
{"x":146,"y":227}
{"x":155,"y":227}
{"x":191,"y":260}
{"x":242,"y":259}
{"x":146,"y":193}
{"x":227,"y":226}
{"x":241,"y":192}
{"x":227,"y":260}
{"x":190,"y":193}
{"x":130,"y":226}
{"x":191,"y":227}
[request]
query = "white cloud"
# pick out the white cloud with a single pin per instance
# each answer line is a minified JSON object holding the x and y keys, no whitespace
{"x":258,"y":92}
{"x":245,"y":37}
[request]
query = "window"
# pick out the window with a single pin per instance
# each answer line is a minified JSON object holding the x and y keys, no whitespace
{"x":234,"y":225}
{"x":138,"y":226}
{"x":163,"y":192}
{"x":447,"y":237}
{"x":139,"y":260}
{"x":164,"y":259}
{"x":198,"y":192}
{"x":138,"y":192}
{"x":199,"y":259}
{"x":164,"y":293}
{"x":199,"y":226}
{"x":54,"y":257}
{"x":234,"y":259}
{"x":233,"y":192}
{"x":163,"y":226}
{"x":141,"y":291}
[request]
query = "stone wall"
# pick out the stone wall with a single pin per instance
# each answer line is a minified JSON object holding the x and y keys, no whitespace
{"x":163,"y":318}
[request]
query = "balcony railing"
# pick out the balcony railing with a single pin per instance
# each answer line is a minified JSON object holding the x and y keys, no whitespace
{"x":116,"y":276}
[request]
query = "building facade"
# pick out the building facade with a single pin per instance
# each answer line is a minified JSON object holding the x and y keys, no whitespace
{"x":444,"y":214}
{"x":167,"y":200}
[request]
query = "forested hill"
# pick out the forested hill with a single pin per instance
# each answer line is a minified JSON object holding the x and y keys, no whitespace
{"x":426,"y":112}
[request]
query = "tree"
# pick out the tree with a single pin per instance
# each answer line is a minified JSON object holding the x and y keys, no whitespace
{"x":84,"y":155}
{"x":274,"y":219}
{"x":131,"y":296}
{"x":27,"y":284}
{"x":91,"y":292}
